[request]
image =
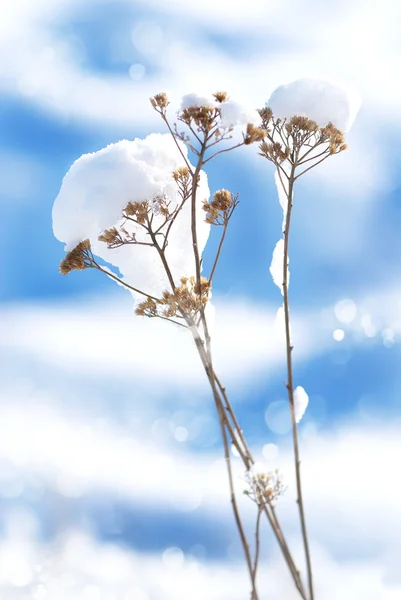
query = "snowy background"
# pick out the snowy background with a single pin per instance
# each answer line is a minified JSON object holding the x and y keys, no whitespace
{"x":112,"y":484}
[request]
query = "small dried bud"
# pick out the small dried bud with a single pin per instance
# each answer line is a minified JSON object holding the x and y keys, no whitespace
{"x":146,"y":308}
{"x":139,"y":210}
{"x":222,"y":200}
{"x":109,"y":236}
{"x":254,"y":134}
{"x":274,"y":152}
{"x":75,"y":259}
{"x":297,"y":124}
{"x":221,"y":96}
{"x":159,"y":101}
{"x":266,"y":116}
{"x":181,"y":174}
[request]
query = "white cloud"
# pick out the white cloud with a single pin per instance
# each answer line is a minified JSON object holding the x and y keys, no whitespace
{"x":104,"y":337}
{"x":350,"y":488}
{"x":45,"y":74}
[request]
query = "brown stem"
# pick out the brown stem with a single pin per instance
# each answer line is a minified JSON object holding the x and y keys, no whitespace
{"x":290,"y":384}
{"x":205,"y":356}
{"x":257,"y":544}
{"x":123,"y":283}
{"x":216,"y":260}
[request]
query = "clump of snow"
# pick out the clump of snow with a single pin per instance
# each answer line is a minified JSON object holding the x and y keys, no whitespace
{"x":276,"y":267}
{"x":190,"y":100}
{"x":301,"y":400}
{"x":99,"y":185}
{"x":234,"y":113}
{"x":317,"y":99}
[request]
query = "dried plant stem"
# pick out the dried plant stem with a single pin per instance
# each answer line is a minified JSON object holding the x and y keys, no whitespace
{"x":205,"y":356}
{"x":267,"y":509}
{"x":257,"y":544}
{"x":225,"y":411}
{"x":290,"y":384}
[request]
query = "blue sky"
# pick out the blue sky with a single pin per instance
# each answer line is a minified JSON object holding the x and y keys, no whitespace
{"x":92,"y":397}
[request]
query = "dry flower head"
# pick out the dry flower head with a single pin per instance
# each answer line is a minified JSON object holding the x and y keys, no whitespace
{"x":187,"y":299}
{"x":265,"y":488}
{"x":78,"y":259}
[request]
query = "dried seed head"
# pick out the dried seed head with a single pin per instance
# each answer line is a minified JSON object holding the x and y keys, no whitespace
{"x":298,"y":123}
{"x":181,"y":174}
{"x":109,"y":236}
{"x":222,"y":200}
{"x":147,"y":308}
{"x":75,"y":259}
{"x":254,"y":134}
{"x":204,"y":117}
{"x":266,"y":115}
{"x":274,"y":152}
{"x":221,"y":96}
{"x":138,"y":210}
{"x":159,"y":101}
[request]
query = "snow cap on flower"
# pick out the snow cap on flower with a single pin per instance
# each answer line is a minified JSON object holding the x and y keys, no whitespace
{"x":100,"y":185}
{"x":318,"y":99}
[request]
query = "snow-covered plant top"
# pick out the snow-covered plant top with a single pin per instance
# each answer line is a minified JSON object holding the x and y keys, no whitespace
{"x":233,"y":114}
{"x":100,"y":185}
{"x":317,"y":99}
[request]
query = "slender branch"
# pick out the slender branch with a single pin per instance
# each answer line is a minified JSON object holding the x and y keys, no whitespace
{"x":222,"y":152}
{"x":290,"y":385}
{"x":216,"y":260}
{"x":184,"y":199}
{"x":305,"y":160}
{"x":257,"y":544}
{"x":123,"y":283}
{"x":187,"y":163}
{"x":167,"y":319}
{"x":273,"y":521}
{"x":161,"y":253}
{"x":311,"y":167}
{"x":205,"y":356}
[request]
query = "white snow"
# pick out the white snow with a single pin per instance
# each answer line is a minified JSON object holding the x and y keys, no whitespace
{"x":234,"y":113}
{"x":301,"y":400}
{"x":318,"y":99}
{"x":99,"y":185}
{"x":190,"y":100}
{"x":276,"y":267}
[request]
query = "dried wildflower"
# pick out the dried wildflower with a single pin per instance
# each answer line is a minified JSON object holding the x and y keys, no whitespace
{"x":220,"y":206}
{"x":334,"y":137}
{"x":266,"y":116}
{"x":274,"y":152}
{"x":254,"y":134}
{"x":265,"y":488}
{"x":181,"y":174}
{"x":159,"y":205}
{"x":111,"y":237}
{"x":78,"y":259}
{"x":204,"y":117}
{"x":221,"y":96}
{"x":147,"y":308}
{"x":222,"y":199}
{"x":300,"y":124}
{"x":138,"y":210}
{"x":159,"y":101}
{"x":188,"y":298}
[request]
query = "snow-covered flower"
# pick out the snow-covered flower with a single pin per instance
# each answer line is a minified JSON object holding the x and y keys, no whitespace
{"x":100,"y":185}
{"x":318,"y":99}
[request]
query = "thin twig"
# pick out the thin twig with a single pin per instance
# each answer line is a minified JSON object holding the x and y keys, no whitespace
{"x":290,"y":385}
{"x":257,"y":544}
